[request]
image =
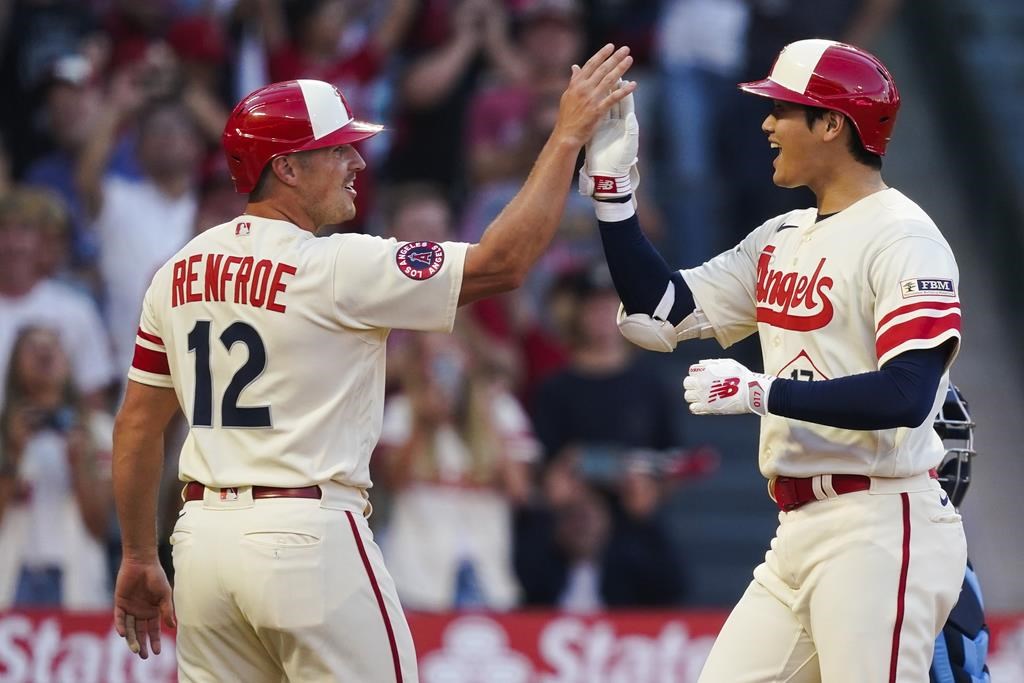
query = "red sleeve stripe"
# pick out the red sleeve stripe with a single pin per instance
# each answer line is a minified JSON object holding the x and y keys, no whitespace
{"x":152,"y":338}
{"x":918,"y":328}
{"x":902,"y":310}
{"x":151,"y":361}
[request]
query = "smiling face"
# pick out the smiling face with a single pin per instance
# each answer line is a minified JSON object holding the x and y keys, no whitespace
{"x":801,"y":156}
{"x":325,"y":181}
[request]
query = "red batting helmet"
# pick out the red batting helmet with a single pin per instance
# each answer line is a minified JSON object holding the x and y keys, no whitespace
{"x":824,"y":73}
{"x":287,"y":117}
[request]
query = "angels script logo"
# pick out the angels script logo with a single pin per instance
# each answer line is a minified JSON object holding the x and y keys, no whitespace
{"x":787,"y":300}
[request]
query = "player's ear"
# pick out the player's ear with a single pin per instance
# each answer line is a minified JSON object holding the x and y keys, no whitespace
{"x":834,"y":125}
{"x":285,"y":169}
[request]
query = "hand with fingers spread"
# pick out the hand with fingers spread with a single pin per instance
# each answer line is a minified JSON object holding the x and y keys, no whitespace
{"x":592,"y":92}
{"x":142,"y":600}
{"x":722,"y":386}
{"x":610,"y":172}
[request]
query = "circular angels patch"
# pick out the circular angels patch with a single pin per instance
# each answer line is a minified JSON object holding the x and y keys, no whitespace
{"x":420,"y":260}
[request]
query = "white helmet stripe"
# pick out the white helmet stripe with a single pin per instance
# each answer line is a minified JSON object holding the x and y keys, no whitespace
{"x":326,"y":112}
{"x":797,"y":63}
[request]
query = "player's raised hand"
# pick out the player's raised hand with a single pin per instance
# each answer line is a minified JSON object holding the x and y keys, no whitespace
{"x":591,"y":93}
{"x":142,"y":599}
{"x":610,"y":171}
{"x":721,"y":386}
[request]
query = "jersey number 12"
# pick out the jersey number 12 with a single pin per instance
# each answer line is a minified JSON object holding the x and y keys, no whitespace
{"x":232,"y":415}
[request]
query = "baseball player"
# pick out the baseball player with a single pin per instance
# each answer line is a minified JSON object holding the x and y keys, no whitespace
{"x":962,"y":646}
{"x":271,"y":342}
{"x":856,"y":305}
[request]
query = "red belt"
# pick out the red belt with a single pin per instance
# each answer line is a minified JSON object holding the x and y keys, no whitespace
{"x":792,"y":492}
{"x":194,"y":491}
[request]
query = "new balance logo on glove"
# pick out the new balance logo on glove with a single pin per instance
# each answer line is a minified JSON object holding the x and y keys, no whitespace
{"x":723,"y":388}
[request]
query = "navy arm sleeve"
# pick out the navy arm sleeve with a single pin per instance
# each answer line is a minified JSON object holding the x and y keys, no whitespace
{"x":639,"y":272}
{"x":901,"y":394}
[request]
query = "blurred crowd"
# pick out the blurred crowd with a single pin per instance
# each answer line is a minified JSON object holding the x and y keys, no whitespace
{"x":526,"y":458}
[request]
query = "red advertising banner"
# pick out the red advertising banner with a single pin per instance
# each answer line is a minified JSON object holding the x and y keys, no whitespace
{"x":521,"y":647}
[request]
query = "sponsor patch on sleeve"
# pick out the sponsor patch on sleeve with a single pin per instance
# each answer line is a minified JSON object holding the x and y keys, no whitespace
{"x":927,"y":286}
{"x":420,"y":260}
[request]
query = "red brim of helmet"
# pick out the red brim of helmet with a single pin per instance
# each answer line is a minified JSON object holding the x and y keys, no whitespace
{"x":353,"y":131}
{"x":769,"y":88}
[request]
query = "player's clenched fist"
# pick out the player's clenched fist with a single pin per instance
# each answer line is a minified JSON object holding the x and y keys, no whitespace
{"x":721,"y":386}
{"x":591,"y":93}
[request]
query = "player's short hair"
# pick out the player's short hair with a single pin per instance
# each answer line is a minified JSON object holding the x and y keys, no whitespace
{"x":855,"y":145}
{"x":259,"y":191}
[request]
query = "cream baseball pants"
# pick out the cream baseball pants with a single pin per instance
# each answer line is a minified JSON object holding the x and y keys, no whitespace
{"x":854,"y":589}
{"x":285,"y":589}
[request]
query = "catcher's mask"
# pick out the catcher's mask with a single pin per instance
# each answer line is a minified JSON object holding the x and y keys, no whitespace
{"x":956,"y":429}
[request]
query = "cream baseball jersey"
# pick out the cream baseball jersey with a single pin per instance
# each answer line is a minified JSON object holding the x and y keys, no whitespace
{"x":274,"y":342}
{"x":831,"y":298}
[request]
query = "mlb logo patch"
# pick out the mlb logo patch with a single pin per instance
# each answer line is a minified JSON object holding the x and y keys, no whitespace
{"x":230,"y":493}
{"x":242,"y":228}
{"x":927,"y":286}
{"x":420,"y":260}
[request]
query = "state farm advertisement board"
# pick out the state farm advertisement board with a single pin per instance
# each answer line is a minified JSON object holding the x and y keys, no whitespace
{"x":529,"y":647}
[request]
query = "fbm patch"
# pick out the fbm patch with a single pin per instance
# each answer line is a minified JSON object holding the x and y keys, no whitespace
{"x":420,"y":260}
{"x":927,"y":286}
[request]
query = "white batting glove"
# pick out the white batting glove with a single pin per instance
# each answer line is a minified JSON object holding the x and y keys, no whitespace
{"x":721,"y":386}
{"x":610,"y":169}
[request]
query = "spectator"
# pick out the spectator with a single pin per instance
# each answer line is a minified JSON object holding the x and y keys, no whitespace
{"x":140,"y":222}
{"x":305,"y":40}
{"x":55,"y":494}
{"x":72,"y":101}
{"x":457,"y":41}
{"x":455,"y":450}
{"x":312,"y":39}
{"x":576,"y":242}
{"x":33,"y":35}
{"x":218,"y":201}
{"x":417,"y":211}
{"x":200,"y":47}
{"x":45,"y":209}
{"x":700,"y":54}
{"x":509,"y":121}
{"x":604,"y":400}
{"x":26,"y":297}
{"x":606,"y":425}
{"x":577,"y":562}
{"x":420,"y":211}
{"x":134,"y":28}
